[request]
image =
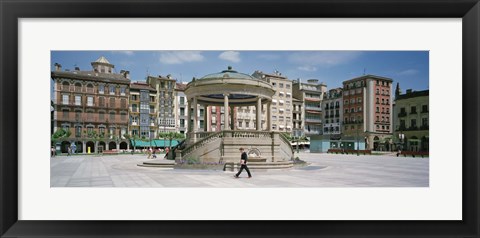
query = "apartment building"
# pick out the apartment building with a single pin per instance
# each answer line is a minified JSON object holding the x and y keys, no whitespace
{"x":333,"y":113}
{"x":411,"y":120}
{"x":143,"y":114}
{"x":311,"y":95}
{"x":166,"y":98}
{"x":92,"y":106}
{"x":367,"y":110}
{"x":281,"y":106}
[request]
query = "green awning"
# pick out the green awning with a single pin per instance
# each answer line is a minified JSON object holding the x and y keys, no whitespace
{"x":153,"y":143}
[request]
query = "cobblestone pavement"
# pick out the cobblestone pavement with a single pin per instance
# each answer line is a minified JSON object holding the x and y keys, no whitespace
{"x":323,"y":170}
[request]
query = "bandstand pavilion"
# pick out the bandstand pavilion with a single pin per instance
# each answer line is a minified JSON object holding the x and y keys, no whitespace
{"x":232,"y":89}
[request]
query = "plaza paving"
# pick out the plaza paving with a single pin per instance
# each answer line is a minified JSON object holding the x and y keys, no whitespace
{"x":323,"y":170}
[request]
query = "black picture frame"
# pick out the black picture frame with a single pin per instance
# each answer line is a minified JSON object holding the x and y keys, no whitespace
{"x":11,"y":11}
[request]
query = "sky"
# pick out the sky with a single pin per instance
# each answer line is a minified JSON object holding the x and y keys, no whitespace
{"x":409,"y":68}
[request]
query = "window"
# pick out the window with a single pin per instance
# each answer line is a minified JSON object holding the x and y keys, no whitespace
{"x":101,"y":89}
{"x":413,"y":109}
{"x":424,"y":108}
{"x":424,"y":121}
{"x":78,"y":100}
{"x":112,"y":116}
{"x":378,"y":109}
{"x":378,"y":118}
{"x":281,"y":85}
{"x":90,"y":101}
{"x":123,"y":116}
{"x":65,"y":99}
{"x":346,"y":102}
{"x":378,"y":100}
{"x":134,"y":97}
{"x":123,"y":103}
{"x":112,"y":102}
{"x":112,"y":89}
{"x":101,"y":116}
{"x":413,"y":123}
{"x":346,"y":110}
{"x":122,"y":91}
{"x":134,"y":108}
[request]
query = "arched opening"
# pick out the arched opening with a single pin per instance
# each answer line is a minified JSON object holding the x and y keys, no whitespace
{"x":65,"y":146}
{"x":79,"y":146}
{"x":101,"y":146}
{"x":376,"y":142}
{"x":65,"y":85}
{"x":425,"y":146}
{"x":91,"y":145}
{"x":414,"y":143}
{"x":112,"y":145}
{"x":123,"y":145}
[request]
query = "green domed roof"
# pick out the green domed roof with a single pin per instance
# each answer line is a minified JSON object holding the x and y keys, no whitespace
{"x":229,"y":73}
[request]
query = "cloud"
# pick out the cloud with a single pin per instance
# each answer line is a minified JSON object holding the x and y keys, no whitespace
{"x":180,"y":57}
{"x":232,"y":56}
{"x":323,"y":58}
{"x":269,"y":56}
{"x":307,"y":68}
{"x":408,"y":72}
{"x":125,"y":52}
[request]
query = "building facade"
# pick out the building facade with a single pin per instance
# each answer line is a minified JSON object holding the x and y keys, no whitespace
{"x":311,"y":95}
{"x":333,"y":114}
{"x":281,"y":106}
{"x":166,"y":106}
{"x":143,"y":114}
{"x":92,"y":106}
{"x":297,"y":117}
{"x":367,"y":110}
{"x":182,"y":109}
{"x":412,"y":120}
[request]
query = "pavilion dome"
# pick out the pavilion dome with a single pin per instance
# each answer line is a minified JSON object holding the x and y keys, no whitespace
{"x":229,"y":73}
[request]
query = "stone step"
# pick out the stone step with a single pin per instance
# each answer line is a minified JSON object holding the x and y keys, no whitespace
{"x":158,"y":163}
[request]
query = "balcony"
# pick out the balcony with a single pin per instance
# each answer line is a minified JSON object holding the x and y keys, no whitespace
{"x":424,"y":127}
{"x":424,"y":111}
{"x":314,"y":108}
{"x":313,"y":120}
{"x":352,"y":122}
{"x":414,"y":112}
{"x":402,"y":114}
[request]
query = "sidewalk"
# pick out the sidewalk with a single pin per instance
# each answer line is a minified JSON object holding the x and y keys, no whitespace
{"x":324,"y":170}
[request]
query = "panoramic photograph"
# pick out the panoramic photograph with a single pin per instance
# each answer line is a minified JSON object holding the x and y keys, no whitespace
{"x":239,"y":119}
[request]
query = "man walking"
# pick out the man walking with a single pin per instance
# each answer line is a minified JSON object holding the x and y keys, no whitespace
{"x":243,"y":164}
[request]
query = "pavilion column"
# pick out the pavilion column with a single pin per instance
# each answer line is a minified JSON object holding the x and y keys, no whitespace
{"x":269,"y":117}
{"x":84,"y":147}
{"x":189,"y":115}
{"x":232,"y":118}
{"x":225,"y":107}
{"x":195,"y":119}
{"x":205,"y":118}
{"x":259,"y":113}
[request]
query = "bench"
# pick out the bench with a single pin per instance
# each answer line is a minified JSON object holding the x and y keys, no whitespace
{"x":413,"y":153}
{"x":110,"y":152}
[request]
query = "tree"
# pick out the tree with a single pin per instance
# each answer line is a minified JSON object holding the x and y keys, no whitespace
{"x":133,"y":140}
{"x":60,"y":134}
{"x":171,"y":136}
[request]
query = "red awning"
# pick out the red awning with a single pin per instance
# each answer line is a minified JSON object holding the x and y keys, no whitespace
{"x":313,"y":112}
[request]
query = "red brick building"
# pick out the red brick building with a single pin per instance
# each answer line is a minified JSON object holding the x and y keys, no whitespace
{"x":92,"y":106}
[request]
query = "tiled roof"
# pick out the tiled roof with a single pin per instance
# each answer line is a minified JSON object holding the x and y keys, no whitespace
{"x":90,"y":75}
{"x":181,"y":87}
{"x":140,"y":86}
{"x":102,"y":60}
{"x":413,"y":94}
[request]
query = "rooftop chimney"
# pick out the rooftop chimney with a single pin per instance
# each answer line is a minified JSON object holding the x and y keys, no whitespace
{"x":58,"y":67}
{"x":77,"y":68}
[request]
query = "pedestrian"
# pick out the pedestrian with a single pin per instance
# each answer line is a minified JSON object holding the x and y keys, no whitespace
{"x":154,"y":155}
{"x":149,"y":153}
{"x":69,"y":151}
{"x":243,"y":163}
{"x":166,"y":153}
{"x":53,"y":151}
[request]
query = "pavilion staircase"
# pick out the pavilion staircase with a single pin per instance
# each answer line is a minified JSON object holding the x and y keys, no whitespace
{"x":266,"y":150}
